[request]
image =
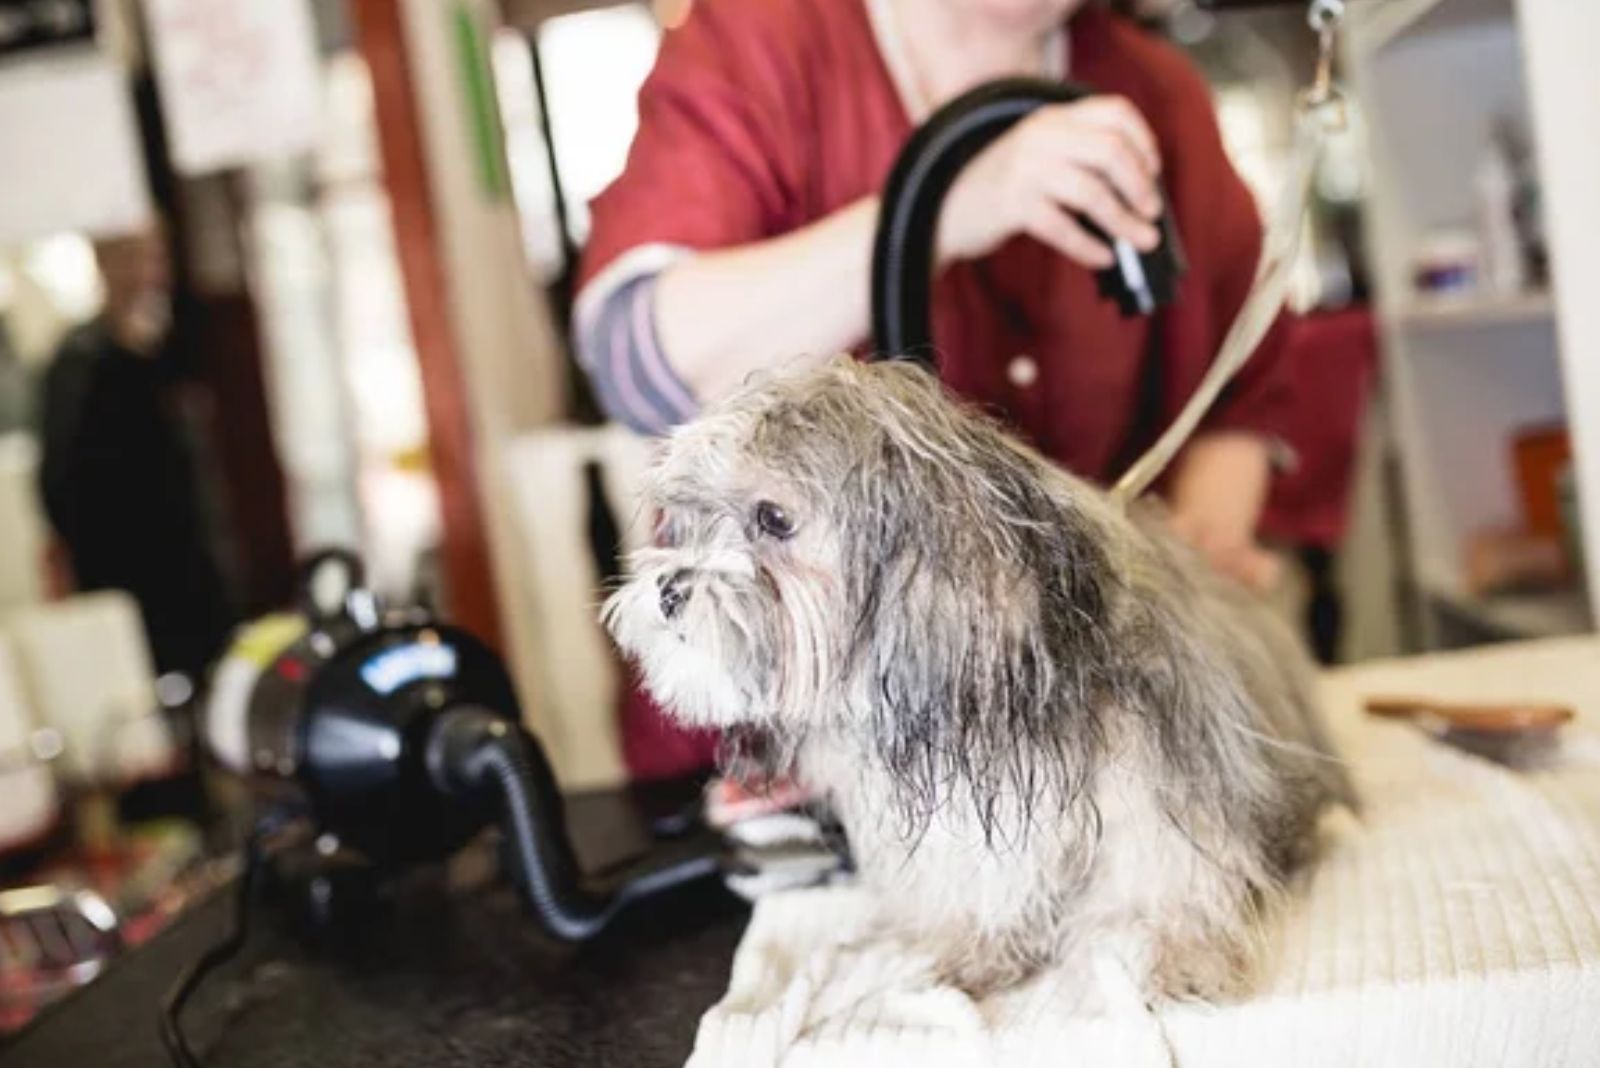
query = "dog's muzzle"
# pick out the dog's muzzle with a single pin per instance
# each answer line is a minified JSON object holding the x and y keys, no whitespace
{"x":674,"y":589}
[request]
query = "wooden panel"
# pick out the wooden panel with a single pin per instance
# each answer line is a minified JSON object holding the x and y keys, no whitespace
{"x":465,"y":554}
{"x":222,"y":333}
{"x":1564,"y":80}
{"x":216,"y":337}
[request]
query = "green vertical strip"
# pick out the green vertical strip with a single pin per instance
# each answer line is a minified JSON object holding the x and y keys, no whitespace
{"x":483,"y":111}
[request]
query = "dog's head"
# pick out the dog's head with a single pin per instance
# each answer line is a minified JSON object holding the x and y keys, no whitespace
{"x":849,"y":548}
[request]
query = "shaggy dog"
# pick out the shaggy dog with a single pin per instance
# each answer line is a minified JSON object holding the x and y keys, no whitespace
{"x":1048,"y":728}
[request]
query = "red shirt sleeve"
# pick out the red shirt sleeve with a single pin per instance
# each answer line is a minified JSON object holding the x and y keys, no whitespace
{"x":714,"y":162}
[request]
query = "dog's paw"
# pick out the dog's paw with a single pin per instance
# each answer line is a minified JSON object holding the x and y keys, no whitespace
{"x":983,"y":968}
{"x":1210,"y":970}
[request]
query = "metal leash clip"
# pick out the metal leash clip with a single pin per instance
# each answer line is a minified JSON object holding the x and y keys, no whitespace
{"x":1324,"y":18}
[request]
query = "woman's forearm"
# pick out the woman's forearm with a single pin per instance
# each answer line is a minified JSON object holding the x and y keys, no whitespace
{"x":1222,"y":480}
{"x":803,"y":296}
{"x":1218,"y":493}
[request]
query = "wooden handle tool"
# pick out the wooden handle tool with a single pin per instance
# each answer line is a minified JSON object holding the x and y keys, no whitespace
{"x":1506,"y":717}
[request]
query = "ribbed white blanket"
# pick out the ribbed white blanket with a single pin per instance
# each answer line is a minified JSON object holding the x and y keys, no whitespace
{"x":1458,"y":923}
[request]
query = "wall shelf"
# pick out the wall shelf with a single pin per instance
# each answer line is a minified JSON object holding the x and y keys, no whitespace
{"x":1465,"y":373}
{"x":1469,"y":310}
{"x":1555,"y":614}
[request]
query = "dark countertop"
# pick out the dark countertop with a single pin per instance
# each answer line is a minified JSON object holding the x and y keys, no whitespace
{"x":440,"y":978}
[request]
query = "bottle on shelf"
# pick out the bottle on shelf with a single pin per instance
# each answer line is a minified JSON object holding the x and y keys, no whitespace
{"x":1502,"y":269}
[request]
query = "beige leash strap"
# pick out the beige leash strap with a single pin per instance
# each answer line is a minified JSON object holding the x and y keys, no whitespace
{"x":1320,"y":113}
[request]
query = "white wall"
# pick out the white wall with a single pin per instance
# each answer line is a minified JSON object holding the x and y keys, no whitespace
{"x":1559,"y":38}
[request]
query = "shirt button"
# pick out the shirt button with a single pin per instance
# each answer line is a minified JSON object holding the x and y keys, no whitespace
{"x":1022,"y":371}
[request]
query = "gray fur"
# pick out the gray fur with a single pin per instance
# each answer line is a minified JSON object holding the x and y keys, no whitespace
{"x":1050,"y":730}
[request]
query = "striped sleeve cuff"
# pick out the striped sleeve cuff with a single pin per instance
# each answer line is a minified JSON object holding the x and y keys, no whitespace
{"x":614,"y":329}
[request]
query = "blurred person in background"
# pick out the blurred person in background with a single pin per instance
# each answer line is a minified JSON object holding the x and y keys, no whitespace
{"x":739,"y":239}
{"x":119,"y":474}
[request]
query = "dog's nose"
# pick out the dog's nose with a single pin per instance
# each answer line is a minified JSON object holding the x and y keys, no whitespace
{"x":674,"y":592}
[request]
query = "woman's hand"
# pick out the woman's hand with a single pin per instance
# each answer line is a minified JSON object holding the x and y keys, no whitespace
{"x":1094,"y":157}
{"x":1218,"y":492}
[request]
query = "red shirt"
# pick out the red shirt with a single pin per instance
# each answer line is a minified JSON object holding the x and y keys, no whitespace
{"x":762,"y":116}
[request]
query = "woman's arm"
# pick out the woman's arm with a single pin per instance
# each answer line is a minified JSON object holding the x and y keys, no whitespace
{"x":1217,"y":494}
{"x":658,"y":344}
{"x":722,"y":315}
{"x":1220,"y":483}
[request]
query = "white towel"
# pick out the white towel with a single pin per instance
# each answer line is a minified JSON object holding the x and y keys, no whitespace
{"x":1458,"y":923}
{"x":87,"y":668}
{"x":28,"y":800}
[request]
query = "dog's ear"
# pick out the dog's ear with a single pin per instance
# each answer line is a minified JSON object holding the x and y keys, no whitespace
{"x":979,"y":603}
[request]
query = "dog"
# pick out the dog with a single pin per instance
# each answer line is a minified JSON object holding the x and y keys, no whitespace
{"x":1049,"y":730}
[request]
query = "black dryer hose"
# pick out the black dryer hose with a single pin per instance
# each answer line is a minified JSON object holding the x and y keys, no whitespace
{"x":473,"y":751}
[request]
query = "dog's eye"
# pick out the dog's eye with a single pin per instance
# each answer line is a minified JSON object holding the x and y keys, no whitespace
{"x":773,"y":521}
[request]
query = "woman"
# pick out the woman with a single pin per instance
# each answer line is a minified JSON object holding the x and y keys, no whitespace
{"x":739,"y":237}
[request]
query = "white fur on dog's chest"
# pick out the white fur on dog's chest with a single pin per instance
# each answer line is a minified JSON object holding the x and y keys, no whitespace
{"x":1133,"y":878}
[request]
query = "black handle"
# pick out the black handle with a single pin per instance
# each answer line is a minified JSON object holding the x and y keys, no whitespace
{"x":342,"y":569}
{"x":903,"y":250}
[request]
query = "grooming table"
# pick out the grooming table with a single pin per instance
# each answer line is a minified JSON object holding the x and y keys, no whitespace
{"x":1457,"y":923}
{"x":442,"y":977}
{"x":1474,"y":948}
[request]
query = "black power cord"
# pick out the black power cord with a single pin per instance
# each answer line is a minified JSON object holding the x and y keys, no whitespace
{"x":189,"y":980}
{"x":473,"y":756}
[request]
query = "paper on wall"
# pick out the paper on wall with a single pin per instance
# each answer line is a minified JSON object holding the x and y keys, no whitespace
{"x":238,"y":80}
{"x":69,"y":149}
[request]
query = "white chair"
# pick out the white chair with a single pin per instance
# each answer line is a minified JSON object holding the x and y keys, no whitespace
{"x":22,"y":528}
{"x":87,"y":669}
{"x":578,"y":674}
{"x":29,"y":804}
